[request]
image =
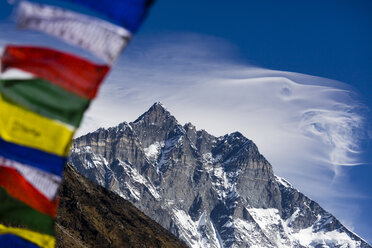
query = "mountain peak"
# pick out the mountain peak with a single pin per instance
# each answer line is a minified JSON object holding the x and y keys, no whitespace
{"x":158,"y":106}
{"x":236,"y":134}
{"x":155,"y":125}
{"x":155,"y":115}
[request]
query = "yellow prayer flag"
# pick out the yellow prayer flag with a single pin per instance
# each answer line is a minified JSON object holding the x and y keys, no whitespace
{"x":42,"y":240}
{"x":23,"y":127}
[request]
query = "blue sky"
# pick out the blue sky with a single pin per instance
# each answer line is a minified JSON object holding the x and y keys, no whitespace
{"x":316,"y":54}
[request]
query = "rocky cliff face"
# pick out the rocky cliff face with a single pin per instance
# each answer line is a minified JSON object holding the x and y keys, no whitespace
{"x":208,"y":191}
{"x":92,"y":216}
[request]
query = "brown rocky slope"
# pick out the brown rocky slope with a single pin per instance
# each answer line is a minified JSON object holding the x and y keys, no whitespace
{"x":92,"y":216}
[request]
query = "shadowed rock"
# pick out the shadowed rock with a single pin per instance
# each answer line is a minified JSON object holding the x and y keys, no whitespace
{"x":92,"y":216}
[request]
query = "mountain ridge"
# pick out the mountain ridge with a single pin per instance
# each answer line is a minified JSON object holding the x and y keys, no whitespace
{"x":209,"y":191}
{"x":92,"y":216}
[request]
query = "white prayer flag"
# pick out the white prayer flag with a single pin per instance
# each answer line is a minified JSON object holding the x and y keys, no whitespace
{"x":45,"y":182}
{"x":102,"y":38}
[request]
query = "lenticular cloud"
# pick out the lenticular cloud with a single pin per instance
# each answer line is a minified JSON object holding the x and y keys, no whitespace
{"x":336,"y":128}
{"x":320,"y":117}
{"x":332,"y":117}
{"x":326,"y":112}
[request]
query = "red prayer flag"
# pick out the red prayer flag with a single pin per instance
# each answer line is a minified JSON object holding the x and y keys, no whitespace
{"x":70,"y":72}
{"x":19,"y":188}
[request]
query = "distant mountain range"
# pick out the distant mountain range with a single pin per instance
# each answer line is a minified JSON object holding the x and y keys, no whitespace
{"x":208,"y":191}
